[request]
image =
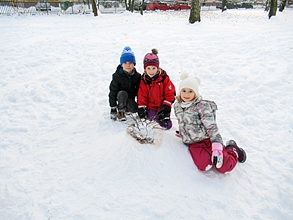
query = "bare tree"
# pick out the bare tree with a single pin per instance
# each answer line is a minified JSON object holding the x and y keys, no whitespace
{"x":126,"y":5}
{"x":268,"y":5}
{"x":129,"y":4}
{"x":141,"y":9}
{"x":282,"y":5}
{"x":273,"y":8}
{"x":224,"y":3}
{"x":194,"y":15}
{"x":132,"y":6}
{"x":94,"y":6}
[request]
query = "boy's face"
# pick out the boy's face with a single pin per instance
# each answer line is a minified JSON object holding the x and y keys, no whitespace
{"x":151,"y":71}
{"x":128,"y":67}
{"x":187,"y":95}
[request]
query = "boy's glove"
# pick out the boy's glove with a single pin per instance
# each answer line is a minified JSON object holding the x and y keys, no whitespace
{"x":164,"y":113}
{"x":217,"y":154}
{"x":142,"y":113}
{"x":113,"y":113}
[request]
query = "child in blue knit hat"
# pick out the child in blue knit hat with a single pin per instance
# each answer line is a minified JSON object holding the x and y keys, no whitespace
{"x":124,"y":86}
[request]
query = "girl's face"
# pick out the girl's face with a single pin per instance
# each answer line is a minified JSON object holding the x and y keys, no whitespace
{"x":187,"y":95}
{"x":128,"y":67}
{"x":151,"y":71}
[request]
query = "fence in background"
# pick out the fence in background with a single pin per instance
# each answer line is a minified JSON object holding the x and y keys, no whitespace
{"x":12,"y":7}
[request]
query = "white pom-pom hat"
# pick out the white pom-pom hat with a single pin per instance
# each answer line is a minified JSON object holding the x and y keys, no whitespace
{"x":190,"y":82}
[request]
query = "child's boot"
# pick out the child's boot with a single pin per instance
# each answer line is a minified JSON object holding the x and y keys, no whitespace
{"x":121,"y":116}
{"x":231,"y":144}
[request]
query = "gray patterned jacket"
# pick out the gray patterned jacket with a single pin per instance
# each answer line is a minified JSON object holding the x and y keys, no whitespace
{"x":198,"y":121}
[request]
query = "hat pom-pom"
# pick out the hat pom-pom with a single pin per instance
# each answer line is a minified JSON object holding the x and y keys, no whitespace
{"x":183,"y":75}
{"x":155,"y":51}
{"x":127,"y":48}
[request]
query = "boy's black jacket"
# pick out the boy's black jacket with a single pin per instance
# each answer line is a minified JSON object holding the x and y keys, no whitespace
{"x":123,"y":81}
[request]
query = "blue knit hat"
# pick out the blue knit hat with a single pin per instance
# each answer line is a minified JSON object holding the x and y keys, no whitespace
{"x":127,"y":56}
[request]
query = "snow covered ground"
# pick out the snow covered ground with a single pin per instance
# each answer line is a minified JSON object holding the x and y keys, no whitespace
{"x":61,"y":157}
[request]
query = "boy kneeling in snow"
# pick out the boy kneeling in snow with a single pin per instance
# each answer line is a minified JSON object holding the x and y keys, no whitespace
{"x":124,"y":86}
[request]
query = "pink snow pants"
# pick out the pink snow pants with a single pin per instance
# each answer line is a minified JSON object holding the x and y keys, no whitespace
{"x":201,"y":153}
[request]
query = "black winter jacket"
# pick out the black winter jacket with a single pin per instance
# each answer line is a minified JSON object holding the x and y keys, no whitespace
{"x":123,"y":81}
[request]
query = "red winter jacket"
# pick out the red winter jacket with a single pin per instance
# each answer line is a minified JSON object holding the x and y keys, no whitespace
{"x":155,"y":92}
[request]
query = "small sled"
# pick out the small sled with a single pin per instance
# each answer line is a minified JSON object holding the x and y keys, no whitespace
{"x":144,"y":131}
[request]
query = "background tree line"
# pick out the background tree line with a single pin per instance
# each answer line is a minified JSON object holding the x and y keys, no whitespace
{"x":194,"y":16}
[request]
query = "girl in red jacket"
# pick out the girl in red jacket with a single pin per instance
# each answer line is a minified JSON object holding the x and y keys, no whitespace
{"x":156,"y":92}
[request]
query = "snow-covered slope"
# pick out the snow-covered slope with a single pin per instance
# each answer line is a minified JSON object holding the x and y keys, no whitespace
{"x":61,"y":157}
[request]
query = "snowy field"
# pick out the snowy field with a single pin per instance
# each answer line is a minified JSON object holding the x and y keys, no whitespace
{"x":61,"y":157}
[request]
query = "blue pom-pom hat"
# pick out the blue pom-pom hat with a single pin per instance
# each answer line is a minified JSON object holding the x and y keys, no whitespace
{"x":127,"y":56}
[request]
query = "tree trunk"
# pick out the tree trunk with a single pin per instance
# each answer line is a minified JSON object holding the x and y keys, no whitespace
{"x":141,"y":9}
{"x":194,"y":14}
{"x":282,"y":5}
{"x":126,"y":5}
{"x":224,"y":3}
{"x":129,"y":4}
{"x":94,"y":6}
{"x":273,"y":8}
{"x":132,"y":6}
{"x":268,"y":4}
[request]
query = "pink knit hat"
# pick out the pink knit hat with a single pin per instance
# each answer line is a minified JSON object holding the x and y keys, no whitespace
{"x":151,"y":59}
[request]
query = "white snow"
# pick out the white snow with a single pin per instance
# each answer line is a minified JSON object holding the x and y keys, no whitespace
{"x":61,"y":156}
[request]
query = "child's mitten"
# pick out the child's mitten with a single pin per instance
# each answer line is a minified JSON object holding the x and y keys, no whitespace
{"x":142,"y":113}
{"x":113,"y":113}
{"x":164,"y":114}
{"x":217,"y":154}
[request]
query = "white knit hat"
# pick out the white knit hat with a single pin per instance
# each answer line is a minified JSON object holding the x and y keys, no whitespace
{"x":190,"y":82}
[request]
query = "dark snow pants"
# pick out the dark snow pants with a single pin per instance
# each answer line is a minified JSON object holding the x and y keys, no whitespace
{"x":201,"y":153}
{"x":124,"y":103}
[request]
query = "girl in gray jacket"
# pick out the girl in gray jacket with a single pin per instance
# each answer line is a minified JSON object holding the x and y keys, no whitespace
{"x":199,"y":131}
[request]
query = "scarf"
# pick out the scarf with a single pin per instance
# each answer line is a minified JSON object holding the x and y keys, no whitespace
{"x":185,"y":104}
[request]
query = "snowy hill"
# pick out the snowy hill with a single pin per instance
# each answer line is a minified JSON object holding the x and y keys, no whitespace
{"x":61,"y":157}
